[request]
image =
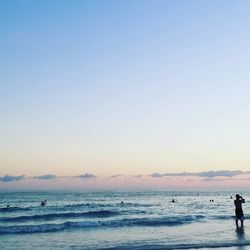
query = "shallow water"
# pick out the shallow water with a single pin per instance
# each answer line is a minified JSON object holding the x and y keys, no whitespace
{"x":99,"y":220}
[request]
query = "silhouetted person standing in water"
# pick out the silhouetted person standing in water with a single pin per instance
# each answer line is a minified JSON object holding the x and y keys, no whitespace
{"x":238,"y":210}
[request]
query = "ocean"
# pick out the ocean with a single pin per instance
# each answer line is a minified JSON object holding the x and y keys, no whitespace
{"x":122,"y":220}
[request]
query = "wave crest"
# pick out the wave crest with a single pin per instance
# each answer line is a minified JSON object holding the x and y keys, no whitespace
{"x":51,"y":216}
{"x":163,"y":221}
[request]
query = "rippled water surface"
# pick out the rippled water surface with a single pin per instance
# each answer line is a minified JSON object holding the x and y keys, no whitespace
{"x":121,"y":220}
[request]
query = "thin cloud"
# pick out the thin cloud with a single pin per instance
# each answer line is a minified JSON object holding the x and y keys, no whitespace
{"x":223,"y":173}
{"x":46,"y":177}
{"x":117,"y":175}
{"x":158,"y":175}
{"x":207,"y":174}
{"x":9,"y":178}
{"x":214,"y":179}
{"x":138,"y":175}
{"x":86,"y":176}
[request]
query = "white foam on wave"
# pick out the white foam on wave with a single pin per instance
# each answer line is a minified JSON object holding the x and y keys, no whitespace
{"x":161,"y":221}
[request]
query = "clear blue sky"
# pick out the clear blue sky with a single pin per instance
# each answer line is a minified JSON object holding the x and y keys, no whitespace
{"x":124,"y":87}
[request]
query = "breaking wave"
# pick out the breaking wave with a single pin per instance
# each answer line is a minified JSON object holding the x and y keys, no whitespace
{"x":165,"y":221}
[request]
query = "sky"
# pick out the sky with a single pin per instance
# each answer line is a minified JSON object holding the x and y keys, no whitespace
{"x":90,"y":90}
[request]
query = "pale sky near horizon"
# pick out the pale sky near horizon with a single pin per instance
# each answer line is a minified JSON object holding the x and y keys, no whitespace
{"x":124,"y":87}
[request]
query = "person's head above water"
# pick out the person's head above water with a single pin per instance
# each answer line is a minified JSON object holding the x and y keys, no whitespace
{"x":237,"y":196}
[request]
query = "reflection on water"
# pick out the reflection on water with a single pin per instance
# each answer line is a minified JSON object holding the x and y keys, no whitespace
{"x":240,"y":234}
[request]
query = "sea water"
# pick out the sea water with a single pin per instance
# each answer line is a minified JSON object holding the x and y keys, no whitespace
{"x":121,"y":220}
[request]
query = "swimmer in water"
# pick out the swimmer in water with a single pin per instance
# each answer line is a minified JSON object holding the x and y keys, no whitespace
{"x":43,"y":203}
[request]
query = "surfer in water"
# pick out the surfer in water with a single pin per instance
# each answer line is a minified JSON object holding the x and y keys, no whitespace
{"x":239,"y":215}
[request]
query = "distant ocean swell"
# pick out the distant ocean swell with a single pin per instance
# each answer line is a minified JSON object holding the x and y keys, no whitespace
{"x":72,"y":206}
{"x":165,"y":221}
{"x":111,"y":205}
{"x":102,"y":213}
{"x":14,"y":209}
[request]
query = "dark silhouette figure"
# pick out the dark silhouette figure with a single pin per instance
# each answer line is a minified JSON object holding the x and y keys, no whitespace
{"x":239,"y":215}
{"x":8,"y":206}
{"x":173,"y":201}
{"x":43,"y":203}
